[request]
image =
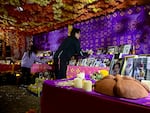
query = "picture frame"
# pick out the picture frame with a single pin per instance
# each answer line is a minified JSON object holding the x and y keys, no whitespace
{"x":127,"y":67}
{"x":116,"y":66}
{"x":126,"y":49}
{"x":111,"y":50}
{"x":140,"y":68}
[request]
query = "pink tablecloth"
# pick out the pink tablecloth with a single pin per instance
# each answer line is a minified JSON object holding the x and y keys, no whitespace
{"x":40,"y":68}
{"x":74,"y":70}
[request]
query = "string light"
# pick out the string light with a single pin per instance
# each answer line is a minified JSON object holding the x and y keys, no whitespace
{"x":17,"y":75}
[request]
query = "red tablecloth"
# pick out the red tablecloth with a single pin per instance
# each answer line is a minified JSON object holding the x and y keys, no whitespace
{"x":9,"y":67}
{"x":72,"y":71}
{"x":56,"y":99}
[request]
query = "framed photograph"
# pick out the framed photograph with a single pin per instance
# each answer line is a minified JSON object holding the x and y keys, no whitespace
{"x":99,"y":51}
{"x":79,"y":62}
{"x":97,"y":63}
{"x":106,"y":58}
{"x":120,"y":48}
{"x":116,"y":66}
{"x":111,"y":50}
{"x":72,"y":62}
{"x":126,"y":49}
{"x":128,"y":65}
{"x":140,"y":68}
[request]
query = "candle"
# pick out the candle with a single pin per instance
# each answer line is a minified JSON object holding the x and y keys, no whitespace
{"x":81,"y":75}
{"x":78,"y":82}
{"x":87,"y":85}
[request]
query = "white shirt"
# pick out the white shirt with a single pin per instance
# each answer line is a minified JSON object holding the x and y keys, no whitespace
{"x":27,"y":61}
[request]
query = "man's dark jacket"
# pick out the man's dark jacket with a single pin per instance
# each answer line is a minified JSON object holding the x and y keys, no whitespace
{"x":69,"y":47}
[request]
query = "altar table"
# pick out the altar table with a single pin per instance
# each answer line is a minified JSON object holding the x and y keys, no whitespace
{"x":40,"y":68}
{"x":9,"y":67}
{"x":56,"y":99}
{"x":72,"y":71}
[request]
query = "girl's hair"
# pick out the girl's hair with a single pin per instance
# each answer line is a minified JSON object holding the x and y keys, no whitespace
{"x":32,"y":50}
{"x":74,"y":31}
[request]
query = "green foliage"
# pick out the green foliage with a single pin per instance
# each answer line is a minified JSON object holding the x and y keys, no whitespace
{"x":96,"y":76}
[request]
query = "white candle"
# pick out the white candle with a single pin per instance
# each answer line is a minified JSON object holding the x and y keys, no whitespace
{"x":81,"y":75}
{"x":78,"y":82}
{"x":87,"y":85}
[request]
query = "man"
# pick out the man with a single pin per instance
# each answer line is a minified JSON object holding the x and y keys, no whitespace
{"x":69,"y":47}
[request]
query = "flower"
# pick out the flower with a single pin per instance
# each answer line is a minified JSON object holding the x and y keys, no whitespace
{"x":104,"y":73}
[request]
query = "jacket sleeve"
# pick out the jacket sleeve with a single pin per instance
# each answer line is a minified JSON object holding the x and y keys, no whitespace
{"x":79,"y":51}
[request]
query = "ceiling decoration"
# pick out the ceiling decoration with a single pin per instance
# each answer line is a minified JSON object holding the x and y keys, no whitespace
{"x":36,"y":16}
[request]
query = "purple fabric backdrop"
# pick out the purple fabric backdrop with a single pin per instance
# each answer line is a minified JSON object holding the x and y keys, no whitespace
{"x":50,"y":40}
{"x":130,"y":26}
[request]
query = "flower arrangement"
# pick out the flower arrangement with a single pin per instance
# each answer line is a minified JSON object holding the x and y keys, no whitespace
{"x":104,"y":73}
{"x":99,"y":75}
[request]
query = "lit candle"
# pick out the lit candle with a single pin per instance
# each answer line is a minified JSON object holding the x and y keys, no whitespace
{"x":81,"y":75}
{"x":78,"y":82}
{"x":87,"y":85}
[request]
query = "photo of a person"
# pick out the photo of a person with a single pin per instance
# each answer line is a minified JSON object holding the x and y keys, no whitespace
{"x":129,"y":67}
{"x":139,"y":72}
{"x":116,"y":69}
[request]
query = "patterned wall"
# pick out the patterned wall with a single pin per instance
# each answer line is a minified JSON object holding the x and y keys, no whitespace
{"x":50,"y":40}
{"x":130,"y":26}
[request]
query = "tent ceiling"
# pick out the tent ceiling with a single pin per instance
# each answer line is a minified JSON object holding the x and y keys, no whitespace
{"x":35,"y":16}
